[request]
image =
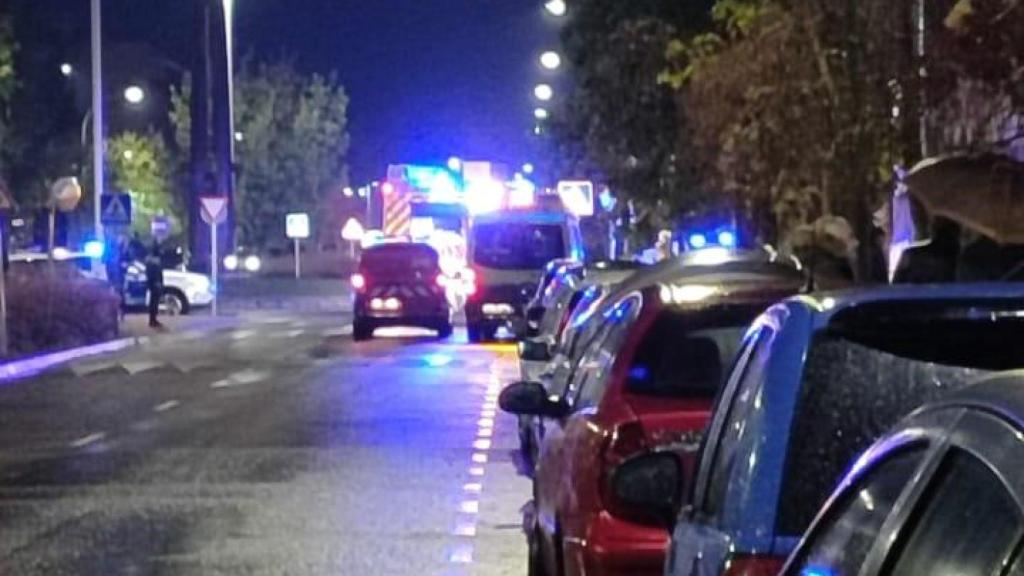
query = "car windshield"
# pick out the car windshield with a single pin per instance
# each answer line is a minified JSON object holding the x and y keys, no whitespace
{"x":399,"y":258}
{"x":517,"y":246}
{"x":875,"y":364}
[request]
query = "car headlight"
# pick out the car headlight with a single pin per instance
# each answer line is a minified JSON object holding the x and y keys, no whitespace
{"x":231,"y":262}
{"x":253,"y":263}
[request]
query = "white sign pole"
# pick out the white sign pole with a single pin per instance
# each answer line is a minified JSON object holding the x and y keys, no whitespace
{"x":213,"y":265}
{"x":3,"y":302}
{"x":298,"y":265}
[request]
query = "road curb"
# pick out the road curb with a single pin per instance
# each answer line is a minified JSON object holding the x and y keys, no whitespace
{"x":25,"y":367}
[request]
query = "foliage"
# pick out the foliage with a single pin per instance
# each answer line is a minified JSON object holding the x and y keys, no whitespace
{"x":618,"y":123}
{"x":50,"y":312}
{"x":8,"y":83}
{"x":293,"y":144}
{"x":140,"y":165}
{"x":799,"y":109}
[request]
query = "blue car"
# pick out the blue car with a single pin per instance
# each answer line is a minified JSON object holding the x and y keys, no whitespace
{"x":943,"y":493}
{"x":817,"y":380}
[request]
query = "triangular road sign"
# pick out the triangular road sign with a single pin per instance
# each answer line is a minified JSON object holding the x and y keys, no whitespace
{"x":214,"y":209}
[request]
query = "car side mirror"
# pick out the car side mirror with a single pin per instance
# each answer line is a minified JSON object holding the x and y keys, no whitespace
{"x":535,"y":350}
{"x":531,"y":399}
{"x":649,"y":487}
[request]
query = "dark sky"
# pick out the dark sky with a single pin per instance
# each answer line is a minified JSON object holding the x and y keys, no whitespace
{"x":427,"y":78}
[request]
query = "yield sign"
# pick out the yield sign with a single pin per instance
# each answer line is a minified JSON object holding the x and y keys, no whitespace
{"x":214,"y":209}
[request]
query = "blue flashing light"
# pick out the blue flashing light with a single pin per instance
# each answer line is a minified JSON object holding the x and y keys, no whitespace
{"x":639,"y":372}
{"x":816,"y":571}
{"x":437,"y":360}
{"x":727,"y":239}
{"x":94,"y":249}
{"x":698,"y":241}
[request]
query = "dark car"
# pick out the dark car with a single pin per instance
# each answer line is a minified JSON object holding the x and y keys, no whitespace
{"x":818,"y":380}
{"x":943,"y":493}
{"x":400,"y":284}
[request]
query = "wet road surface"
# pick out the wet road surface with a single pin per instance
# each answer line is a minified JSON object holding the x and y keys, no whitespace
{"x":270,"y":445}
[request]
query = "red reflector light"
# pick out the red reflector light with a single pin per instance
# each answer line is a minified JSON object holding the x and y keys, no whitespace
{"x":358,"y":281}
{"x":753,"y":565}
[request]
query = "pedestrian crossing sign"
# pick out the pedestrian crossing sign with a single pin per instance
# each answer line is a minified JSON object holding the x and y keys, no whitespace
{"x":116,"y":209}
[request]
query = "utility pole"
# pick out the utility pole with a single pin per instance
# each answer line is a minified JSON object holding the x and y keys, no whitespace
{"x":98,"y":126}
{"x":921,"y":23}
{"x":200,"y":136}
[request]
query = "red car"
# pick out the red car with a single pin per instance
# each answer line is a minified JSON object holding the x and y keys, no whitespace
{"x":647,"y":380}
{"x":400,"y":284}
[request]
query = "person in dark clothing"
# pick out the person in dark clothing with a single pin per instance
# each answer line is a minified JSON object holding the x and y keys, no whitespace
{"x":117,"y":263}
{"x":934,"y":260}
{"x":154,"y":282}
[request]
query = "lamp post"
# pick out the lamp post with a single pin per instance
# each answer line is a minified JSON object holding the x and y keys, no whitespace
{"x":97,"y":114}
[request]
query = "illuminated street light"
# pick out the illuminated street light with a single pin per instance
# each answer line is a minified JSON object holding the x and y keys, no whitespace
{"x":134,"y":95}
{"x":128,"y":155}
{"x":66,"y":69}
{"x":540,"y":114}
{"x":551,"y":60}
{"x":544,"y":92}
{"x":556,"y":7}
{"x":239,"y":137}
{"x":528,"y":168}
{"x":348,"y":192}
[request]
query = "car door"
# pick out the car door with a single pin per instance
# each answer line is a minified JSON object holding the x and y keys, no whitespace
{"x":699,"y":546}
{"x":554,"y":474}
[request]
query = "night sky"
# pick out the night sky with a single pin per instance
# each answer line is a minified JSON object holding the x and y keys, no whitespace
{"x":427,"y":79}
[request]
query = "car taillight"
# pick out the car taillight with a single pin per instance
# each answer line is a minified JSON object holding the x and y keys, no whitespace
{"x":358,"y":282}
{"x":627,"y":440}
{"x":753,"y":565}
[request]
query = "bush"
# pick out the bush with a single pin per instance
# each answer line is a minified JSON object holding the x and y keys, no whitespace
{"x":56,"y":311}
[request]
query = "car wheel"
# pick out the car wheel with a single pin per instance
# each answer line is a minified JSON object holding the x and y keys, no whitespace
{"x":444,"y":329}
{"x":174,"y":303}
{"x":361,"y":330}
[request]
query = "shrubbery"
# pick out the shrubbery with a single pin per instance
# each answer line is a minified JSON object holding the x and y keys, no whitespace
{"x":56,"y":311}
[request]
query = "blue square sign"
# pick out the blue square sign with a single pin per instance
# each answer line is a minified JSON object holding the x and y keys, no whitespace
{"x":116,"y":209}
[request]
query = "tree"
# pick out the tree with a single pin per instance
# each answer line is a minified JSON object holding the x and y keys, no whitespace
{"x":141,"y":166}
{"x":8,"y":83}
{"x":617,"y":122}
{"x":291,"y":145}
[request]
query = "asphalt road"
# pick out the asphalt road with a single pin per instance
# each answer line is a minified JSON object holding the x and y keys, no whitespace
{"x":268,"y":444}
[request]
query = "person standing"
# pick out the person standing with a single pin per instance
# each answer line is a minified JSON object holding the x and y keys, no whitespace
{"x":154,"y":282}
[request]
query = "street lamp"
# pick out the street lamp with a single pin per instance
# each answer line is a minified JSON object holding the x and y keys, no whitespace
{"x":66,"y":69}
{"x":544,"y":92}
{"x":556,"y":7}
{"x":528,"y":168}
{"x":134,"y":94}
{"x":541,"y":113}
{"x":550,"y":60}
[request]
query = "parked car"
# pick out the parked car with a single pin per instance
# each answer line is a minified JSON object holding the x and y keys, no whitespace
{"x":549,"y":312}
{"x":183,"y":292}
{"x":560,"y":269}
{"x":646,"y":379}
{"x":400,"y":284}
{"x":817,"y":381}
{"x":940,"y":494}
{"x":508,"y":250}
{"x":556,"y":363}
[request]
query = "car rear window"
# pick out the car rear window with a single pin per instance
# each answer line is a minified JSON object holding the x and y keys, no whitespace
{"x":517,"y":246}
{"x":398,"y":258}
{"x":872,"y":366}
{"x":685,"y":354}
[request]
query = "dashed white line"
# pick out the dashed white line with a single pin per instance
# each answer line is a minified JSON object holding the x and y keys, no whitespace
{"x":169,"y":405}
{"x":90,"y":439}
{"x":295,"y":333}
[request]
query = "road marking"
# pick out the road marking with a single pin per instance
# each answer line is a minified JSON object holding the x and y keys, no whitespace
{"x":482,"y":444}
{"x":169,"y":405}
{"x":462,"y":554}
{"x":134,"y":368}
{"x":90,"y":439}
{"x":242,"y":334}
{"x":476,"y":471}
{"x":335,"y":332}
{"x":480,"y":458}
{"x":87,"y":369}
{"x":473,"y":487}
{"x":295,"y":333}
{"x":221,"y":383}
{"x":470,"y":507}
{"x":243,"y":377}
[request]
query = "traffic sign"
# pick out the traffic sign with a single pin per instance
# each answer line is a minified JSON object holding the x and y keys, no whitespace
{"x":116,"y":209}
{"x":160,"y":227}
{"x":213,"y":209}
{"x":578,"y":196}
{"x":297,"y":226}
{"x":352,"y":231}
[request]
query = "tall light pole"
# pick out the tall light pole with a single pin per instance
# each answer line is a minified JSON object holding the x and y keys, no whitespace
{"x":97,"y":117}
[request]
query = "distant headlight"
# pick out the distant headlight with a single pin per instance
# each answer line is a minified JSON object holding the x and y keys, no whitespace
{"x":231,"y":262}
{"x":253,"y":263}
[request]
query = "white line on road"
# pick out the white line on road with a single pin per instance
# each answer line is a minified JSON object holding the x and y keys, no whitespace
{"x":334,"y":332}
{"x":295,"y":333}
{"x":242,"y":334}
{"x":134,"y":368}
{"x":90,"y":439}
{"x":241,"y":377}
{"x":169,"y":405}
